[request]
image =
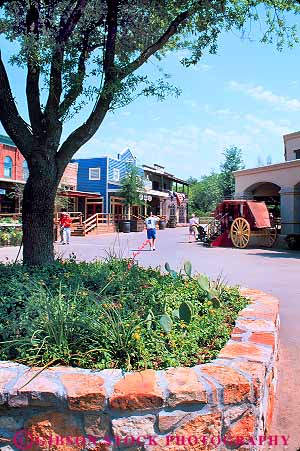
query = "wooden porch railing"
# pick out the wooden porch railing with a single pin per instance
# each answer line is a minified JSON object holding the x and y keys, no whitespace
{"x":98,"y":219}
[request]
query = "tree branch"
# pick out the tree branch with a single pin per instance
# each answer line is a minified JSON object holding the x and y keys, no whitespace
{"x":86,"y":131}
{"x":77,"y":84}
{"x":76,"y":89}
{"x":110,"y":47}
{"x":67,"y":27}
{"x":33,"y":97}
{"x":170,"y":31}
{"x":13,"y":123}
{"x":52,"y":109}
{"x":33,"y":74}
{"x":55,"y":89}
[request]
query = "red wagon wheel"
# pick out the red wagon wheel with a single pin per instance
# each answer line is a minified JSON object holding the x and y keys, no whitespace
{"x":270,"y":237}
{"x":240,"y":233}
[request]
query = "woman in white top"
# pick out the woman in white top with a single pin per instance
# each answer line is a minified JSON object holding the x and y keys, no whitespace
{"x":193,"y":227}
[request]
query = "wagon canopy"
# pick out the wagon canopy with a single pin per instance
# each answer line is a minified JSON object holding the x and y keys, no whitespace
{"x":260,"y":214}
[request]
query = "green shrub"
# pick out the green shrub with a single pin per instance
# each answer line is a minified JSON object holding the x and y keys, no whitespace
{"x":103,"y":315}
{"x":10,"y":236}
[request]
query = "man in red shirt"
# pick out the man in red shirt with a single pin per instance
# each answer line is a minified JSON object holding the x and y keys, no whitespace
{"x":65,"y":223}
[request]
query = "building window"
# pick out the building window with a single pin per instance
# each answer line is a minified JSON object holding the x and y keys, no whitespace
{"x":297,"y":152}
{"x":155,"y":185}
{"x":25,"y":170}
{"x":116,"y":175}
{"x":94,"y":173}
{"x":8,"y":167}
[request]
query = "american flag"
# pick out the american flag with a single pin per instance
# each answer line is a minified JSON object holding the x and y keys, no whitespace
{"x":180,"y":197}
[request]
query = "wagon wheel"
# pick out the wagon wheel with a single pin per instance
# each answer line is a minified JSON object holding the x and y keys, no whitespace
{"x":240,"y":232}
{"x":270,"y":237}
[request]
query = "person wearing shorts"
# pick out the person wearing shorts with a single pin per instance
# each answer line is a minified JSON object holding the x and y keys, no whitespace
{"x":193,"y":223}
{"x":151,"y":230}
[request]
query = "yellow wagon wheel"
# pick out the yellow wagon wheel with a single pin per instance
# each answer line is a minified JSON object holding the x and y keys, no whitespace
{"x":270,"y":237}
{"x":240,"y":232}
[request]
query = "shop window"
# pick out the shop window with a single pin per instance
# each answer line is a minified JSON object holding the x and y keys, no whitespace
{"x":116,"y":175}
{"x":297,"y":152}
{"x":94,"y":173}
{"x":25,"y":170}
{"x":8,"y":167}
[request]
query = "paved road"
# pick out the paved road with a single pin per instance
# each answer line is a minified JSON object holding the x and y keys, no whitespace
{"x":273,"y":271}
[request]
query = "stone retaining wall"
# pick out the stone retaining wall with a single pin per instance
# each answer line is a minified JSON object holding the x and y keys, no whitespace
{"x":174,"y":409}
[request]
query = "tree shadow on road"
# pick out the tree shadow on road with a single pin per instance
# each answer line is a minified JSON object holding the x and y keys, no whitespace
{"x":276,"y":253}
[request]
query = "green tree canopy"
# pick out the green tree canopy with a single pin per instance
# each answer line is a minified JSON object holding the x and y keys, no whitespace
{"x":132,"y":186}
{"x":233,"y":162}
{"x":211,"y":189}
{"x":205,"y":194}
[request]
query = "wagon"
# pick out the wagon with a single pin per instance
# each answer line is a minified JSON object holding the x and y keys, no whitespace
{"x":236,"y":221}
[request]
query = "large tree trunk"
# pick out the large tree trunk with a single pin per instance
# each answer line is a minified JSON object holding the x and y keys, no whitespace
{"x":38,"y":212}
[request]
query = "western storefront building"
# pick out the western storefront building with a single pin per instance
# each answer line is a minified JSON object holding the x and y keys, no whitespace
{"x":169,"y":194}
{"x":102,"y":176}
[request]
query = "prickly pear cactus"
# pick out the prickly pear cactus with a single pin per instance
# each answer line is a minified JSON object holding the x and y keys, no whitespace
{"x":175,"y":314}
{"x":187,"y":266}
{"x":166,"y":322}
{"x":167,"y":267}
{"x":203,"y":282}
{"x":186,"y":312}
{"x":215,"y":302}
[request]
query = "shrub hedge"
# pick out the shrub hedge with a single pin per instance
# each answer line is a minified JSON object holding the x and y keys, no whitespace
{"x":105,"y":315}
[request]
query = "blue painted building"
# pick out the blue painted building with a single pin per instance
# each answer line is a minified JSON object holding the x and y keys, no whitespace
{"x":102,"y":176}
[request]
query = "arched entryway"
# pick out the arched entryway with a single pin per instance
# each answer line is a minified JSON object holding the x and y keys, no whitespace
{"x":267,"y":192}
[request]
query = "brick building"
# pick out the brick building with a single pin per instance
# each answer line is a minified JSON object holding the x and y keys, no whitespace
{"x":14,"y":173}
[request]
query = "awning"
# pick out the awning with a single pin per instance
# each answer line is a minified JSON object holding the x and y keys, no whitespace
{"x":153,"y":192}
{"x":260,"y":213}
{"x":73,"y":193}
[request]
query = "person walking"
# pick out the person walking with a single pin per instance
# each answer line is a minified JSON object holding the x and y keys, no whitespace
{"x":151,"y":229}
{"x":66,"y":224}
{"x":193,"y":222}
{"x":61,"y":227}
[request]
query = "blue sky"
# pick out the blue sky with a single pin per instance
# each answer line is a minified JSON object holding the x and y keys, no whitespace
{"x":247,"y":95}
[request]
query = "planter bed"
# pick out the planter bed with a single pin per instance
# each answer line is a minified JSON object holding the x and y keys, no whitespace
{"x":230,"y":397}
